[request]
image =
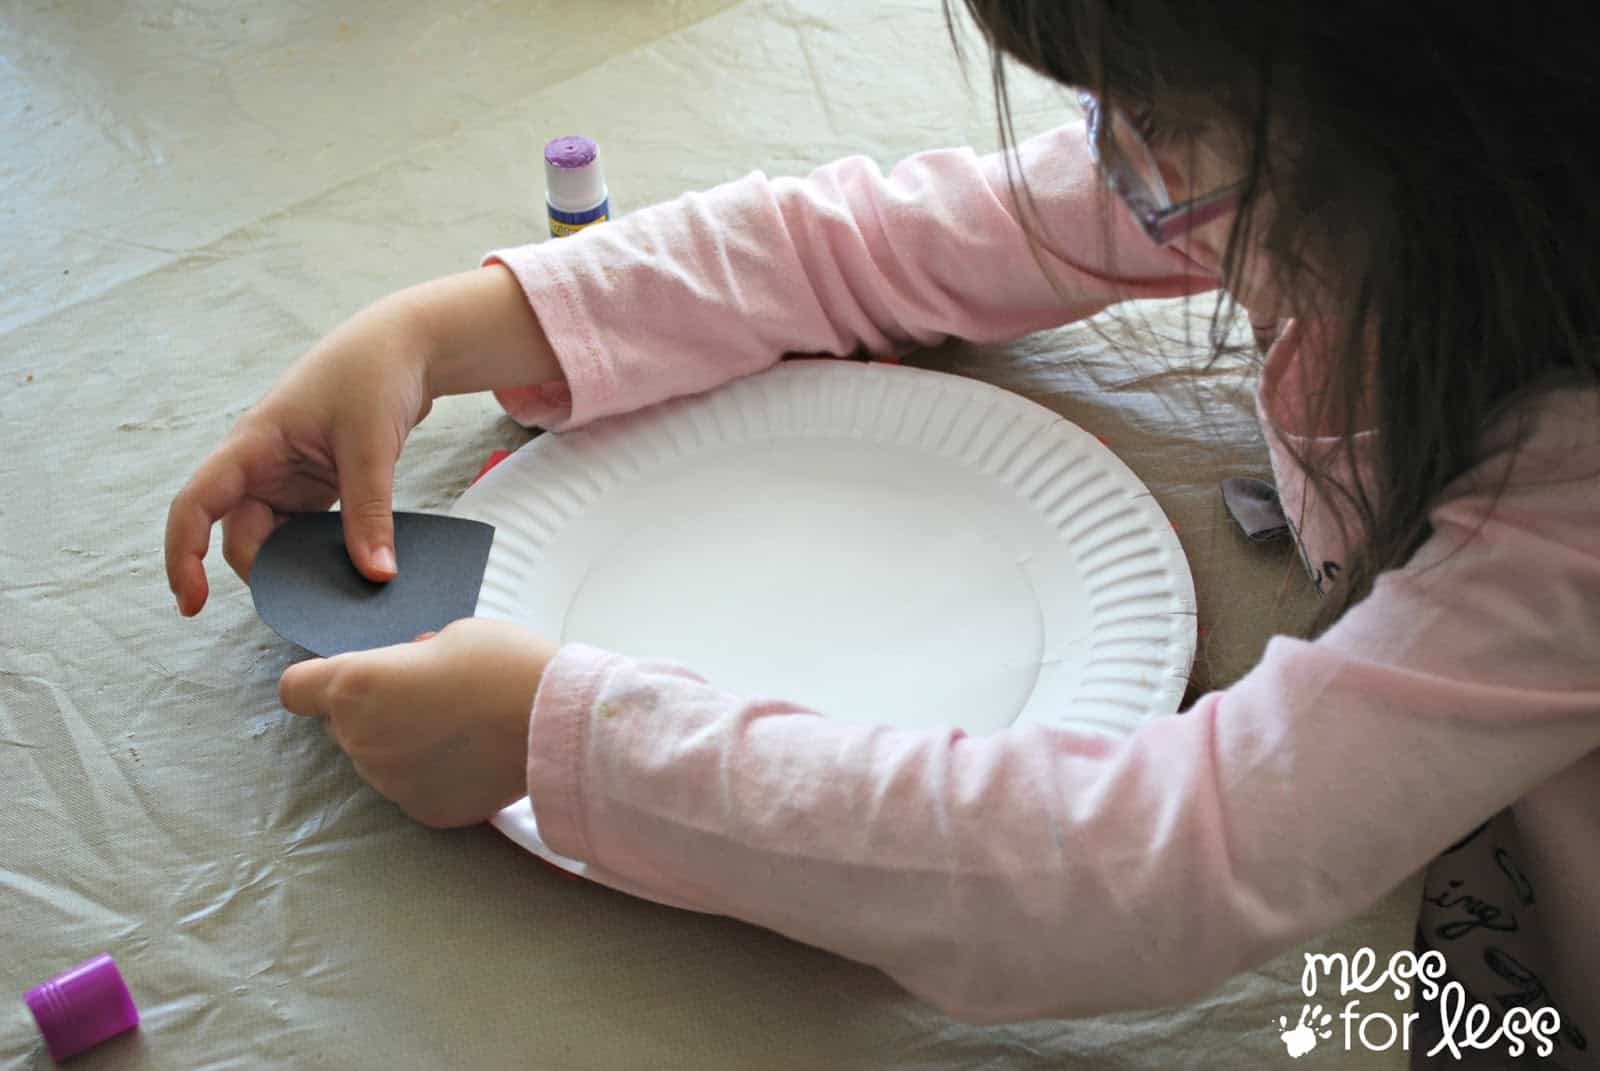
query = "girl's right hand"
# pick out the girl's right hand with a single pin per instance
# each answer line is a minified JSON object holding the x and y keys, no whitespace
{"x":331,"y":428}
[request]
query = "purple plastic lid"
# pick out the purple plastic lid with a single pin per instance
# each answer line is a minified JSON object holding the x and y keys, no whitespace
{"x":83,"y":1007}
{"x":571,"y":151}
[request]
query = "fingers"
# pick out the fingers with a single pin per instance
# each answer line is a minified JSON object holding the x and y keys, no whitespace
{"x":366,"y":488}
{"x":214,"y":490}
{"x":243,"y":532}
{"x":346,"y":683}
{"x":305,"y":687}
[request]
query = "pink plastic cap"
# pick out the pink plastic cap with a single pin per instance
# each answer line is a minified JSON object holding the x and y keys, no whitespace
{"x":83,"y":1007}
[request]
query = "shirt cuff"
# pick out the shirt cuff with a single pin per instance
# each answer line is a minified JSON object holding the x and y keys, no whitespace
{"x":552,"y":287}
{"x":557,"y":738}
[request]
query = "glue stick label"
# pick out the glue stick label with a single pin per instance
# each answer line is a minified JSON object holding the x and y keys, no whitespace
{"x":559,"y":229}
{"x":563,"y":224}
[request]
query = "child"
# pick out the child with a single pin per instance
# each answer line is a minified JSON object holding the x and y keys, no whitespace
{"x":1399,"y":186}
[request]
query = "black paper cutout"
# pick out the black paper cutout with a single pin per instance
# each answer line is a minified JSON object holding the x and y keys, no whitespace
{"x":306,"y":588}
{"x":1253,"y":505}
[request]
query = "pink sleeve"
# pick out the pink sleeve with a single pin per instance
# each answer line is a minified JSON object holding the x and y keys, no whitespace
{"x":686,"y":295}
{"x":998,"y":877}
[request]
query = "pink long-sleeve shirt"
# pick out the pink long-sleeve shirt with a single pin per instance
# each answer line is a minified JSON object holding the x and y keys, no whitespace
{"x":1450,"y":720}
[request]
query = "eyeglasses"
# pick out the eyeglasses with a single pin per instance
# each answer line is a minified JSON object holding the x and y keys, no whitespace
{"x":1121,"y":152}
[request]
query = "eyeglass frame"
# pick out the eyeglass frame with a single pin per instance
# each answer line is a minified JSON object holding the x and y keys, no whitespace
{"x":1163,"y":224}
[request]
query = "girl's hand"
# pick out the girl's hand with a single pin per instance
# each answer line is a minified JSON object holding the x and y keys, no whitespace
{"x":439,"y":726}
{"x":330,"y":429}
{"x":333,"y":426}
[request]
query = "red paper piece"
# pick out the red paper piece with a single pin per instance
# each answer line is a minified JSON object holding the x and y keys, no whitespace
{"x":494,"y":459}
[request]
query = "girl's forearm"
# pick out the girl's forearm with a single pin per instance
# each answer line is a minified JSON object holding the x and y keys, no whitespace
{"x":483,"y":334}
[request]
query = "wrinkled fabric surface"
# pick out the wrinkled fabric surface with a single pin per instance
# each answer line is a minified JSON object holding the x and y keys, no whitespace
{"x":190,"y":196}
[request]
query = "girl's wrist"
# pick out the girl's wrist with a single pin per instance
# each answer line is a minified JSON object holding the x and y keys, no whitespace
{"x":424,"y":329}
{"x":412,"y":348}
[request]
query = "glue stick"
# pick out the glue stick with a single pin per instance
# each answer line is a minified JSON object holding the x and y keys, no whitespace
{"x":575,"y":189}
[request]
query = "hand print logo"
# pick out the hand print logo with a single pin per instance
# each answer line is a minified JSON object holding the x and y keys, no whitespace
{"x":1302,"y":1037}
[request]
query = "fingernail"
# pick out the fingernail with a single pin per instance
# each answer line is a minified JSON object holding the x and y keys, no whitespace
{"x":383,"y":559}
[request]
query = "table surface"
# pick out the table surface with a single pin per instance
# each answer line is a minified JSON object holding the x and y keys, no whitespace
{"x":192,"y":195}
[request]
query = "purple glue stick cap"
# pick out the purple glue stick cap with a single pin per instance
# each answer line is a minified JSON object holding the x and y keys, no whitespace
{"x":83,"y":1007}
{"x":571,"y":151}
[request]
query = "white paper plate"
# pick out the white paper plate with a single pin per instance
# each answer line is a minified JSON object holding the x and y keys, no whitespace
{"x":884,"y":544}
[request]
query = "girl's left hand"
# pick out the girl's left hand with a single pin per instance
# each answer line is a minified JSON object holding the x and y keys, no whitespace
{"x":439,"y":726}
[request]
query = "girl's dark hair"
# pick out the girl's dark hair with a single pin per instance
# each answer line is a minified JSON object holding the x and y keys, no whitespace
{"x":1433,"y":210}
